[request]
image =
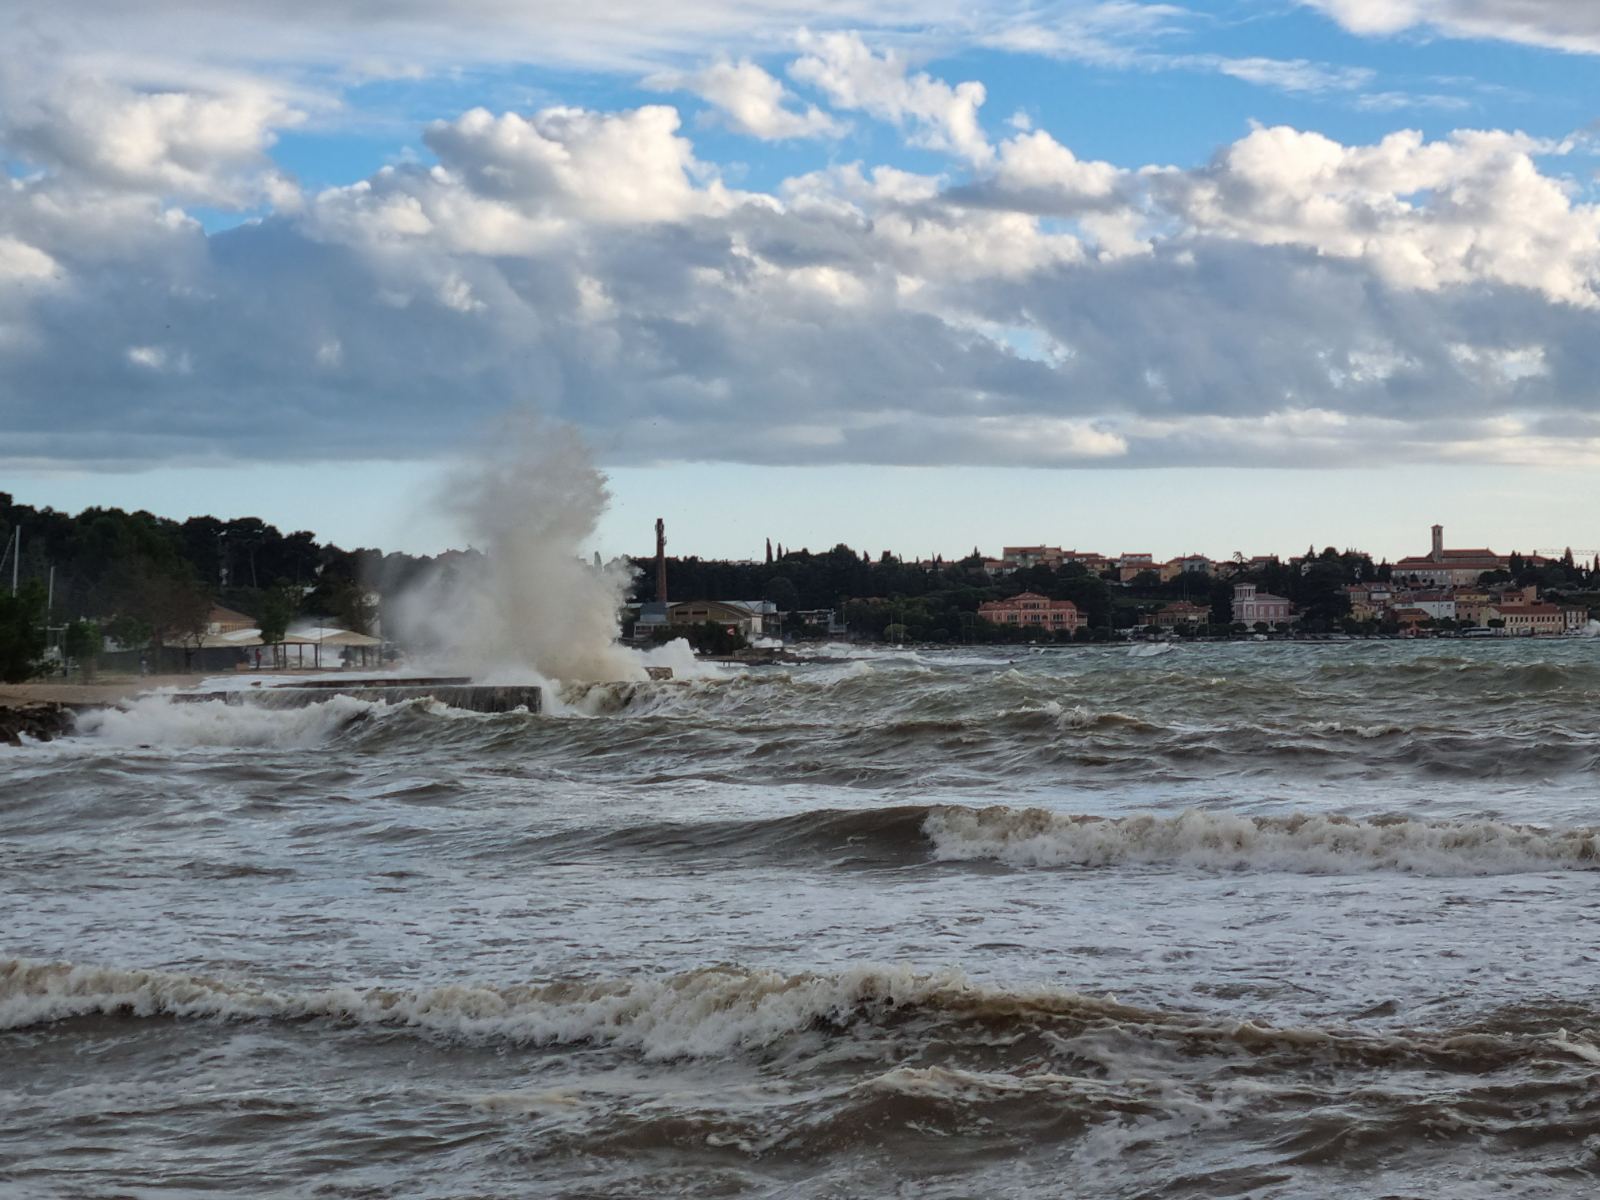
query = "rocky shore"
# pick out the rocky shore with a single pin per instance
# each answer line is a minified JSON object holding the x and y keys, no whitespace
{"x":43,"y":721}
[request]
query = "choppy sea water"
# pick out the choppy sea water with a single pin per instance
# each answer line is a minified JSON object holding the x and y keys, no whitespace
{"x":1237,"y":920}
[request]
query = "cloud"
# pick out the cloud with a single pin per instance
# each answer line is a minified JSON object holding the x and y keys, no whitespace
{"x":1130,"y":37}
{"x":852,"y":76}
{"x":1113,"y":33}
{"x":1295,"y":299}
{"x":751,"y":101}
{"x":1467,"y":209}
{"x":1295,"y":75}
{"x":1570,"y":25}
{"x":208,"y":148}
{"x":410,"y":37}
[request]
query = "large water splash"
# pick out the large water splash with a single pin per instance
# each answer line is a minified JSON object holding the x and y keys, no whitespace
{"x":528,"y":604}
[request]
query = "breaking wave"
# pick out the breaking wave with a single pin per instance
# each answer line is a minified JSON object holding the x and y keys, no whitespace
{"x":1034,"y":837}
{"x":1211,"y":840}
{"x":723,"y":1010}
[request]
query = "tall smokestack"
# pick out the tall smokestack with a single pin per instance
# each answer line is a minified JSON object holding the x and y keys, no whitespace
{"x":661,"y":561}
{"x":1438,"y":543}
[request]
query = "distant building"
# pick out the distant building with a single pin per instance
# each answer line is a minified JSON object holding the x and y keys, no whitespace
{"x":1251,"y":605}
{"x":1527,"y":620}
{"x":819,"y":620}
{"x":1409,"y":619}
{"x":652,"y":618}
{"x":1449,"y":568}
{"x":752,"y":618}
{"x":1031,"y":609}
{"x":1369,"y":600}
{"x":1181,"y":612}
{"x":225,"y":620}
{"x":1088,"y":560}
{"x":1131,"y":566}
{"x":1474,"y":608}
{"x":1019,"y":557}
{"x":1438,"y":605}
{"x":1186,"y":564}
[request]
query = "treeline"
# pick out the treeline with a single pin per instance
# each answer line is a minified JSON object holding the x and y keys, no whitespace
{"x":149,"y":581}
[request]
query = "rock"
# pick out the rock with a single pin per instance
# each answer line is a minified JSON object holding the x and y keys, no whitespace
{"x":43,"y":721}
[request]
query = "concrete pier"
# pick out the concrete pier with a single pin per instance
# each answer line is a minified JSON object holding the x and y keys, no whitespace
{"x":475,"y":697}
{"x":457,"y":693}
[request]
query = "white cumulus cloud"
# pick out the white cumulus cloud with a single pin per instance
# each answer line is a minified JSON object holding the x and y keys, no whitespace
{"x":751,"y":101}
{"x":939,"y":115}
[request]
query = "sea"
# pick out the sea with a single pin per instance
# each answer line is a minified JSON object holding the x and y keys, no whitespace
{"x":1224,"y":920}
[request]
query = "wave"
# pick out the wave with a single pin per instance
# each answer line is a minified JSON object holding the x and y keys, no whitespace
{"x":1213,"y":840}
{"x":1495,"y":673}
{"x":717,"y":1011}
{"x":1303,"y":843}
{"x":159,"y":721}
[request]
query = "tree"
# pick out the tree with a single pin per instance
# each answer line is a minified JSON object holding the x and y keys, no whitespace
{"x":782,"y":592}
{"x":81,"y":643}
{"x":353,"y":606}
{"x":274,"y":613}
{"x":128,"y":631}
{"x":1145,"y":581}
{"x":22,"y":634}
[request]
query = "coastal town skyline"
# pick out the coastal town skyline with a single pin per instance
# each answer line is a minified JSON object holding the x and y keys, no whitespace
{"x":625,"y":529}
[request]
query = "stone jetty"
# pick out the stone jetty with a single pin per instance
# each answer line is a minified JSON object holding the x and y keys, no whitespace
{"x":457,"y":692}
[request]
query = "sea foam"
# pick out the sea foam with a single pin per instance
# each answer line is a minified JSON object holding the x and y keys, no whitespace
{"x":1033,"y":837}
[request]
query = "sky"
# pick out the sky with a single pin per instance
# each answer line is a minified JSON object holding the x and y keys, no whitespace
{"x":1208,"y":276}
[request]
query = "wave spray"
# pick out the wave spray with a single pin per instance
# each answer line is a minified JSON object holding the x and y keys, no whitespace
{"x":528,"y":603}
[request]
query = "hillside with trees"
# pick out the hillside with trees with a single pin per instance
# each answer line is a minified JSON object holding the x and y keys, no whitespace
{"x":149,"y":582}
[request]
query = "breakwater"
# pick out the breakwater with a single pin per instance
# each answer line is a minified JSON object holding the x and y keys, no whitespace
{"x":455,"y":692}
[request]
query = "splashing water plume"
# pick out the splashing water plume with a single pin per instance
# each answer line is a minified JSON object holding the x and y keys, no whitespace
{"x":529,"y":603}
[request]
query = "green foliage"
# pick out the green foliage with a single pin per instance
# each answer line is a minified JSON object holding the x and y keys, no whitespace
{"x":177,"y":608}
{"x":274,"y":612}
{"x":22,"y":634}
{"x":353,"y":607}
{"x":108,"y":563}
{"x":81,"y":642}
{"x":782,"y":592}
{"x":129,"y":632}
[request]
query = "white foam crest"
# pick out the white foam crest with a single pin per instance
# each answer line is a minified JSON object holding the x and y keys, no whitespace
{"x":1034,"y":837}
{"x":703,"y":1013}
{"x":678,"y":656}
{"x":159,"y":721}
{"x":1369,"y":732}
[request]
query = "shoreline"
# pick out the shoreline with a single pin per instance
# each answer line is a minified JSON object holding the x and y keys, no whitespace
{"x":97,"y":693}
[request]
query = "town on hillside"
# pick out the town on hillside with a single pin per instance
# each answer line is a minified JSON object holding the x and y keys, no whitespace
{"x":1047,"y":593}
{"x":133,"y":591}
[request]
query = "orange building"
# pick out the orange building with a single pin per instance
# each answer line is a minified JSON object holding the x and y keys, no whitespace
{"x":1032,"y":609}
